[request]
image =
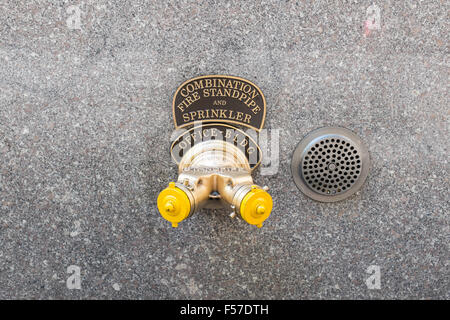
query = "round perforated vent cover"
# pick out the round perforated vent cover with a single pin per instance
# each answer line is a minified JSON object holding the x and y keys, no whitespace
{"x":330,"y":164}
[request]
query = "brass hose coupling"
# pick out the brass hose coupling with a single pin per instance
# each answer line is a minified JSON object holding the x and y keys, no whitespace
{"x":214,"y":174}
{"x":215,"y":159}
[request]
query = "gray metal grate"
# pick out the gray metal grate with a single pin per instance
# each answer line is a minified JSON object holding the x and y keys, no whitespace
{"x":330,"y":164}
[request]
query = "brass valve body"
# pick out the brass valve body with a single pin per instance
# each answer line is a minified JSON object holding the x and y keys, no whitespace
{"x":214,"y":174}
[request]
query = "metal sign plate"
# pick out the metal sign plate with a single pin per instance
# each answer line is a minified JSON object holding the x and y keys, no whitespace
{"x":219,"y":98}
{"x":217,"y":132}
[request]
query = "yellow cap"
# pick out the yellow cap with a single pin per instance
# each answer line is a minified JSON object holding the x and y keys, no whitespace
{"x":256,"y":206}
{"x":174,"y":204}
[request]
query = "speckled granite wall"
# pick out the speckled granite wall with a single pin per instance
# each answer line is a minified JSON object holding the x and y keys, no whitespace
{"x":85,"y":120}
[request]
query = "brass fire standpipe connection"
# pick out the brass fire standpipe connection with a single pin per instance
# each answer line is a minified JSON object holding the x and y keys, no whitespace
{"x":215,"y":160}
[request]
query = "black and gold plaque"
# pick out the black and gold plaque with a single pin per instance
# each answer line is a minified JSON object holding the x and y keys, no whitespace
{"x":219,"y":98}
